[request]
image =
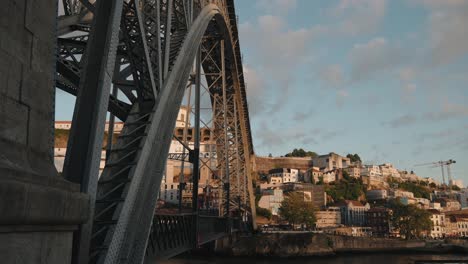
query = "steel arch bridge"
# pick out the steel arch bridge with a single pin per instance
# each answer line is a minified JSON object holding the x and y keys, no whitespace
{"x":135,"y":59}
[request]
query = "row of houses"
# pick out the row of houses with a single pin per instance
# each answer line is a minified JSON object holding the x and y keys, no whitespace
{"x":359,"y":219}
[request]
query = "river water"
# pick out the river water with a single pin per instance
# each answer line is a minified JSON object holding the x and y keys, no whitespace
{"x":341,"y":259}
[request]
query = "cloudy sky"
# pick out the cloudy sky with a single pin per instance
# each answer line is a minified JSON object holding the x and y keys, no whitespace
{"x":385,"y":79}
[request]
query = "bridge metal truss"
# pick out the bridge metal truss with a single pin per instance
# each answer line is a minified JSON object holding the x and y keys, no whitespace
{"x":144,"y":50}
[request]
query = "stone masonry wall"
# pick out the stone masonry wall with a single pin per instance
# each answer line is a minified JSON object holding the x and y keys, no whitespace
{"x":27,"y":45}
{"x":39,"y":209}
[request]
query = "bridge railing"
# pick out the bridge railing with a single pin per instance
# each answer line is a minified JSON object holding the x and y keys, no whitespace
{"x":171,"y":235}
{"x":211,"y":228}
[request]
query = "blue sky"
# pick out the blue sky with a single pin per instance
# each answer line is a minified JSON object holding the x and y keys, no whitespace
{"x":384,"y":79}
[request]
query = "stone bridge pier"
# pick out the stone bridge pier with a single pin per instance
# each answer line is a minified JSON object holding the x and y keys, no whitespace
{"x":39,"y":210}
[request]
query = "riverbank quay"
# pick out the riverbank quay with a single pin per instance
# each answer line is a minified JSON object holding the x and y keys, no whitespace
{"x":304,"y":244}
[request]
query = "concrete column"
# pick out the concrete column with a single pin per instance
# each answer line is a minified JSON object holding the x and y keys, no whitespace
{"x":39,"y":209}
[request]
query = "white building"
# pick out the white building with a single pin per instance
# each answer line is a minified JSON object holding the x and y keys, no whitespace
{"x":462,"y":226}
{"x":353,"y":213}
{"x":286,"y":175}
{"x":329,"y":176}
{"x":388,"y":171}
{"x":353,"y":171}
{"x":182,"y":117}
{"x":401,"y":193}
{"x":331,"y":161}
{"x":66,"y":125}
{"x":275,"y":179}
{"x":458,"y":183}
{"x":371,"y":171}
{"x":438,"y":223}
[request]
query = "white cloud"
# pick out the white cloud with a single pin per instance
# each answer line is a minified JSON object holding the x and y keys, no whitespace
{"x":407,"y":74}
{"x":410,"y":88}
{"x":277,"y":47}
{"x":359,"y":16}
{"x":341,"y":96}
{"x":278,"y":52}
{"x":255,"y":86}
{"x":373,"y":57}
{"x":448,"y":111}
{"x":276,"y":6}
{"x":332,"y":75}
{"x":447,"y":27}
{"x":404,"y":120}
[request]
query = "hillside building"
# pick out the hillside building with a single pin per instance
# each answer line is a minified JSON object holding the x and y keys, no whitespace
{"x":331,"y":161}
{"x":353,"y":213}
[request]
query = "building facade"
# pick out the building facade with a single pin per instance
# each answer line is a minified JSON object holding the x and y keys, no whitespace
{"x":389,"y":171}
{"x":438,"y":224}
{"x":353,"y":171}
{"x":271,"y":200}
{"x":378,"y":219}
{"x":286,"y":175}
{"x":374,"y":195}
{"x":329,"y":218}
{"x":353,"y":213}
{"x":331,"y":161}
{"x":316,"y":193}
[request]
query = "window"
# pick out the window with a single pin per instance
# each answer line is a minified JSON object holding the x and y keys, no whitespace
{"x":183,"y":117}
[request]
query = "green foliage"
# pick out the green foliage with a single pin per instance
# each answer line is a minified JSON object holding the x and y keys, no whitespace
{"x":455,"y":188}
{"x":301,"y":153}
{"x":297,"y":211}
{"x":418,"y":190}
{"x":410,"y":220}
{"x":346,"y":176}
{"x":354,"y":157}
{"x":346,"y":189}
{"x":432,"y":185}
{"x":263,"y":212}
{"x":320,"y":180}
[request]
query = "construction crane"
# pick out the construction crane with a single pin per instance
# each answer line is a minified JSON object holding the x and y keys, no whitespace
{"x":441,"y":164}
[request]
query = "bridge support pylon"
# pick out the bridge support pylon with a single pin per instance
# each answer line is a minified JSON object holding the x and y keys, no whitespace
{"x":39,"y":209}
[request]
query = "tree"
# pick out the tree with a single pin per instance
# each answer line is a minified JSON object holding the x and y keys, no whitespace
{"x":432,"y":185}
{"x":269,"y":155}
{"x":296,"y":210}
{"x":347,"y":189}
{"x":410,"y":220}
{"x":263,"y":212}
{"x":301,"y":153}
{"x":418,"y":190}
{"x":455,"y":188}
{"x":354,"y":157}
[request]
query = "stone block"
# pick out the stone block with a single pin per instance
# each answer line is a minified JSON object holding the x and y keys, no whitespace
{"x":33,"y":199}
{"x":50,"y":247}
{"x":41,"y":134}
{"x":42,"y":24}
{"x":15,"y":39}
{"x":42,"y":53}
{"x":10,"y":75}
{"x":14,"y":116}
{"x":37,"y":91}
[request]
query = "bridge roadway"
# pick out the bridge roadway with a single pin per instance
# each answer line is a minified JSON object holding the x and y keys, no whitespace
{"x":170,"y":235}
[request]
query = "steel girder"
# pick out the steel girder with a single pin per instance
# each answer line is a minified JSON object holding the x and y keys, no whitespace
{"x":157,"y":44}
